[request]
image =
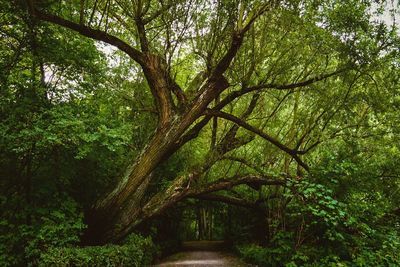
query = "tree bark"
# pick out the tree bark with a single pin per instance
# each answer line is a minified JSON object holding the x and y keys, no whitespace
{"x":113,"y":216}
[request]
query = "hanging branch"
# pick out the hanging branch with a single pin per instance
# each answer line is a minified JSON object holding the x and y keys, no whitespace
{"x":272,"y":140}
{"x":95,"y":34}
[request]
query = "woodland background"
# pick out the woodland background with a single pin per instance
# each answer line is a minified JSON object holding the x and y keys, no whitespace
{"x":130,"y":126}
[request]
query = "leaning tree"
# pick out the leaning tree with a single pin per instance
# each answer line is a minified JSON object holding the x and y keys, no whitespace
{"x":213,"y":63}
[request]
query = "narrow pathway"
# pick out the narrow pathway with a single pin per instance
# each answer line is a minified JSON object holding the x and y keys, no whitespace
{"x":202,"y":254}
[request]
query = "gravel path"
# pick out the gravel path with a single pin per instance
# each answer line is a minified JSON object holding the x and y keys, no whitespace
{"x":202,"y":254}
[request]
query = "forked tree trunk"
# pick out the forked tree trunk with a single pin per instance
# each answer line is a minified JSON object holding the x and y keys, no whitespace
{"x":114,"y":216}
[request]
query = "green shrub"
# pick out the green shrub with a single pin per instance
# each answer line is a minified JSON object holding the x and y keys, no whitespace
{"x":253,"y":253}
{"x":136,"y":251}
{"x":57,"y":230}
{"x":387,"y":255}
{"x":263,"y":256}
{"x":21,"y":244}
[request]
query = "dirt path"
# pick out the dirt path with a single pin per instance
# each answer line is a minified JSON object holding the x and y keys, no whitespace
{"x":202,"y":254}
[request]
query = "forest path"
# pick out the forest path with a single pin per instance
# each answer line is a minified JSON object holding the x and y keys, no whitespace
{"x":202,"y":254}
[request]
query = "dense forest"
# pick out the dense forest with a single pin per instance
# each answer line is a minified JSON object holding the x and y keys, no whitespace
{"x":129,"y":126}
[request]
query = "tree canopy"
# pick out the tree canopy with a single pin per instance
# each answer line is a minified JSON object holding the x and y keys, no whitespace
{"x":119,"y":115}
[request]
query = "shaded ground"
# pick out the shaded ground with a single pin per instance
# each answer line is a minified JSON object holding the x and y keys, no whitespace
{"x":202,"y":254}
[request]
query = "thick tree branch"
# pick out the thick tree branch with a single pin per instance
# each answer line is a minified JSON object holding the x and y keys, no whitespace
{"x":193,"y":132}
{"x":144,"y":43}
{"x":228,"y":200}
{"x":225,"y":184}
{"x":294,"y":85}
{"x":256,"y":14}
{"x":88,"y":32}
{"x":235,"y":94}
{"x":229,"y":141}
{"x":230,"y":136}
{"x":160,"y":86}
{"x":179,"y":93}
{"x":259,"y":132}
{"x":223,"y":64}
{"x":182,"y":188}
{"x":216,"y":75}
{"x":237,"y":40}
{"x":236,"y":201}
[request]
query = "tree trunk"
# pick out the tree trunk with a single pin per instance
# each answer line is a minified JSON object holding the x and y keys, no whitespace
{"x":113,"y":217}
{"x":204,"y":219}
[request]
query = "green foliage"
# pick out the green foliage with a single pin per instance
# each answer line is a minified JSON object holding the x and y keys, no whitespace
{"x":22,"y":243}
{"x":255,"y":254}
{"x":74,"y":113}
{"x":274,"y":255}
{"x":325,"y":215}
{"x":57,"y":230}
{"x":386,"y":255}
{"x":136,"y":251}
{"x":323,"y":231}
